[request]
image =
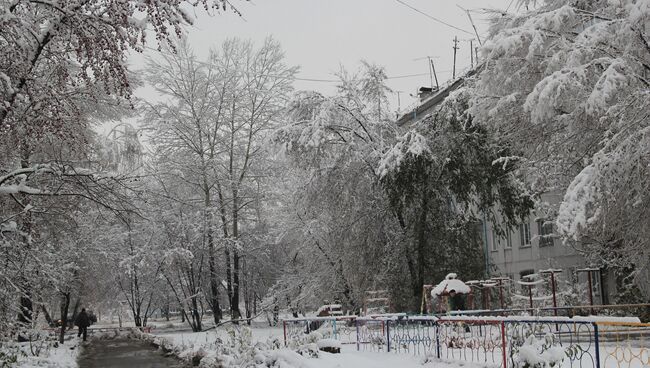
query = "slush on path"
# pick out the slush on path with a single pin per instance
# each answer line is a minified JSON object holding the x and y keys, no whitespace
{"x":124,"y":353}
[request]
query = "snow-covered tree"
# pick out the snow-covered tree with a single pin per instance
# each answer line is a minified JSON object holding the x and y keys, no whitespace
{"x":209,"y":130}
{"x":444,"y":178}
{"x":566,"y":84}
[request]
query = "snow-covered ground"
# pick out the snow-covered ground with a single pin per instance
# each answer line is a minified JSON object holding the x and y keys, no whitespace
{"x":54,"y":356}
{"x":349,"y":356}
{"x":610,"y":354}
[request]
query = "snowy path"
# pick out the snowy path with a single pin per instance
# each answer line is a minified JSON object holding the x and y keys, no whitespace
{"x":124,"y":353}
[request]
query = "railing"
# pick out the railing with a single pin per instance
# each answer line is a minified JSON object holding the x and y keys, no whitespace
{"x":567,"y":311}
{"x":497,"y":341}
{"x":479,"y":341}
{"x":576,"y":341}
{"x":337,"y":328}
{"x":624,"y":344}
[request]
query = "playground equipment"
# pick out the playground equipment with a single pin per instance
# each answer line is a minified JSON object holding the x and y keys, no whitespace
{"x":376,"y":302}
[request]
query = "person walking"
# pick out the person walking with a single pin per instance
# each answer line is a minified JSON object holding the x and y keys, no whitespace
{"x":82,"y":321}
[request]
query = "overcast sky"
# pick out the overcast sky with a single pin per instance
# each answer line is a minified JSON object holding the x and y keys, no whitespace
{"x":320,"y":35}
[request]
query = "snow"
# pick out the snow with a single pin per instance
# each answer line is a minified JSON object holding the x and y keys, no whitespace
{"x":328,"y":343}
{"x":287,"y":358}
{"x":551,"y":270}
{"x":610,"y":82}
{"x":450,"y":283}
{"x":411,"y":144}
{"x":575,"y":210}
{"x":333,"y":309}
{"x":62,"y":356}
{"x":534,"y":298}
{"x":537,"y":353}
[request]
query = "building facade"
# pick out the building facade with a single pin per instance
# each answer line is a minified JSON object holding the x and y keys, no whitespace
{"x":534,"y":245}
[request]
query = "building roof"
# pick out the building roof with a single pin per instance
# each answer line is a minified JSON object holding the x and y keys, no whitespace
{"x":434,"y":100}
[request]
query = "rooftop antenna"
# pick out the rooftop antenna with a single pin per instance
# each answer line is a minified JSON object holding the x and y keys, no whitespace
{"x":434,"y":74}
{"x":432,"y":71}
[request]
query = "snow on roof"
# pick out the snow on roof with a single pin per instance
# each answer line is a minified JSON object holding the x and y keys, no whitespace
{"x":448,"y":284}
{"x":332,"y":308}
{"x":551,"y":270}
{"x":531,"y":283}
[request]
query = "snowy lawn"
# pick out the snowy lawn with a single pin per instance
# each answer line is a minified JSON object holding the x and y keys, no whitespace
{"x":54,"y":356}
{"x":349,"y":356}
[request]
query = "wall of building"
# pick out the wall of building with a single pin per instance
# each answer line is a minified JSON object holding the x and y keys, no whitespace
{"x":517,"y":254}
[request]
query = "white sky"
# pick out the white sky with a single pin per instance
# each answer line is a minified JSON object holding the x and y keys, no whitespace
{"x":320,"y":35}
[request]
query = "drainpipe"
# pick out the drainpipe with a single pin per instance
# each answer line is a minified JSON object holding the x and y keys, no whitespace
{"x":485,"y":242}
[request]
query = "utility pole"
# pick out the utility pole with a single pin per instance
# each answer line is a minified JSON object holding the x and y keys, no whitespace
{"x":476,"y":53}
{"x":471,"y":52}
{"x":473,"y":25}
{"x":455,"y":49}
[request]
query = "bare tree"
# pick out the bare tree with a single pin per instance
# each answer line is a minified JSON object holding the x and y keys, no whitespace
{"x":210,"y":131}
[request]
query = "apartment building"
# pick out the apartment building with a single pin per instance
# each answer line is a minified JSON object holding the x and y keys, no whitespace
{"x":533,"y":245}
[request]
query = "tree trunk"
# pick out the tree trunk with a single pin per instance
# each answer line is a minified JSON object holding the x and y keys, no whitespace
{"x":26,"y":310}
{"x":214,"y":280}
{"x":48,"y":318}
{"x":76,"y":309}
{"x":65,"y":305}
{"x":247,"y":294}
{"x":234,"y":304}
{"x":196,"y":317}
{"x":421,"y":246}
{"x":228,"y":274}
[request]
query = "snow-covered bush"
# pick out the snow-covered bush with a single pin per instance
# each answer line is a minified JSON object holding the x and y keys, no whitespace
{"x":306,"y":345}
{"x":538,"y":352}
{"x":239,"y":350}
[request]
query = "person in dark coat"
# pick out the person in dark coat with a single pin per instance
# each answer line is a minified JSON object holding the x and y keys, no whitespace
{"x":82,"y":321}
{"x":456,"y":301}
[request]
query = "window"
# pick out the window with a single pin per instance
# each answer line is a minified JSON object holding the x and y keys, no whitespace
{"x":524,"y":234}
{"x":545,"y":231}
{"x":495,"y":240}
{"x":526,"y":275}
{"x":508,"y":239}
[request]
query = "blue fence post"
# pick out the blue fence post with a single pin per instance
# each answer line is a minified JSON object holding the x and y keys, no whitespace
{"x":597,"y":343}
{"x":438,"y":353}
{"x":388,"y":335}
{"x":334,"y":327}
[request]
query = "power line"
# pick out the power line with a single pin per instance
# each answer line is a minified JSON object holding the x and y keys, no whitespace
{"x":432,"y":17}
{"x":305,"y":79}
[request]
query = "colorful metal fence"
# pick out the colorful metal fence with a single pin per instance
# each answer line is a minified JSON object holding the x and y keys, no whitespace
{"x":342,"y":329}
{"x":624,"y":345}
{"x":575,"y":340}
{"x":501,"y":342}
{"x":479,"y":341}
